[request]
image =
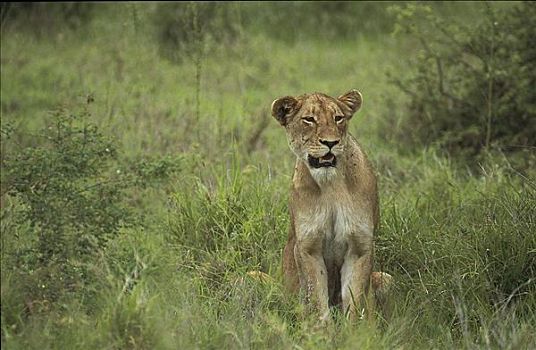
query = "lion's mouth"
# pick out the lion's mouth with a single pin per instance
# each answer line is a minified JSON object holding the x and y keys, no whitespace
{"x":329,"y":160}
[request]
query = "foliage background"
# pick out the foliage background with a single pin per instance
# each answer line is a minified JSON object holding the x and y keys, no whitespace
{"x":142,"y":175}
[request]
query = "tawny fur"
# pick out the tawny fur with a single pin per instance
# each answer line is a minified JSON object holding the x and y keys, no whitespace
{"x":334,"y":210}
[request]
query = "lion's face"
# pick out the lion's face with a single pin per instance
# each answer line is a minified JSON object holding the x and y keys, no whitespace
{"x":316,"y":126}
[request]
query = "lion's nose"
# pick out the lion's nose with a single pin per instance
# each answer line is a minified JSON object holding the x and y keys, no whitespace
{"x":330,"y":144}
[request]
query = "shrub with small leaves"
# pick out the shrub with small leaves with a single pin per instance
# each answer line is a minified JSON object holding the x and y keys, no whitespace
{"x":70,"y":193}
{"x":472,"y":86}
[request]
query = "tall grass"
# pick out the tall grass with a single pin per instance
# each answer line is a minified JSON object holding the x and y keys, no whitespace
{"x":211,"y":202}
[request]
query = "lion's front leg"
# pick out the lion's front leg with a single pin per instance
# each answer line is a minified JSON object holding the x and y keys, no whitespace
{"x":313,"y":278}
{"x":355,"y":278}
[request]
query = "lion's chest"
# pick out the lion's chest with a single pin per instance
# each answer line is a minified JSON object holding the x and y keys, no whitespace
{"x":333,"y":223}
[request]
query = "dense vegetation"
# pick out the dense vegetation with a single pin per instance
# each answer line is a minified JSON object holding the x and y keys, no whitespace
{"x":473,"y":84}
{"x":142,"y":176}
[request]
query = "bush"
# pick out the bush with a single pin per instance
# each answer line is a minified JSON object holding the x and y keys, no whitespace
{"x":473,"y":86}
{"x":69,"y":193}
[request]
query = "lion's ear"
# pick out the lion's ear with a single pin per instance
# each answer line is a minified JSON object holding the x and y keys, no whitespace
{"x":283,"y":108}
{"x":352,"y":101}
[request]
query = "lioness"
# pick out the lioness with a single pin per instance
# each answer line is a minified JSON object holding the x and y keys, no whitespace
{"x":333,"y":206}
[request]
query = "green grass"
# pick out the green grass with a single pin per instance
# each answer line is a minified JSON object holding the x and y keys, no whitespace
{"x":460,"y":239}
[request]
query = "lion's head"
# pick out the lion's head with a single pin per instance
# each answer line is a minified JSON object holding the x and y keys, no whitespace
{"x":316,"y":126}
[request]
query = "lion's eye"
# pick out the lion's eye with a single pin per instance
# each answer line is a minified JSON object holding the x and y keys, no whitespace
{"x":339,"y":119}
{"x":309,"y":120}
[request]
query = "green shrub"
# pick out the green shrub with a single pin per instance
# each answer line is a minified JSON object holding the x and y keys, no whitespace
{"x":473,"y":85}
{"x":68,"y":191}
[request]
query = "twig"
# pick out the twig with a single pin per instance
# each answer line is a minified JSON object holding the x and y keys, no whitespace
{"x":440,"y":77}
{"x":254,"y":139}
